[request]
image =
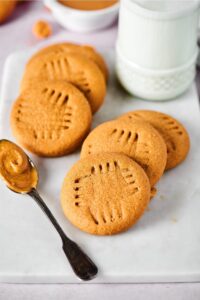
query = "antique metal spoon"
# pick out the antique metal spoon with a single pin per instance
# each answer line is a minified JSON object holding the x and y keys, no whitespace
{"x":81,"y":264}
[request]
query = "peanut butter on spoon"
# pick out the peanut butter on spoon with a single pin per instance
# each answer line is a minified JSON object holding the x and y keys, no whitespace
{"x":20,"y":175}
{"x":16,"y":169}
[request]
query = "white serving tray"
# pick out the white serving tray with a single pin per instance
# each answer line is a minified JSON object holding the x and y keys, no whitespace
{"x":164,"y":246}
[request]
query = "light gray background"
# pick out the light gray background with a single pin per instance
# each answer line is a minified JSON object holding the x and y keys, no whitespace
{"x":16,"y":35}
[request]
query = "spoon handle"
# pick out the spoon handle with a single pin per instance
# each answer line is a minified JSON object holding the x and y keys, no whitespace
{"x":82,"y":265}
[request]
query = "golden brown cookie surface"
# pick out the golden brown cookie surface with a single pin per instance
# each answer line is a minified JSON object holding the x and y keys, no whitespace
{"x":138,"y":139}
{"x":51,"y":118}
{"x":105,"y":193}
{"x":6,"y":9}
{"x":172,"y":131}
{"x":74,"y":68}
{"x":85,"y":50}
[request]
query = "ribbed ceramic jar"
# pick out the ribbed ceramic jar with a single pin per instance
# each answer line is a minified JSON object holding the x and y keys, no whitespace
{"x":157,"y":47}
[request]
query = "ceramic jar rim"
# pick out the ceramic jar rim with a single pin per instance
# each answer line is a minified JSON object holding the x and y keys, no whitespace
{"x":162,"y":15}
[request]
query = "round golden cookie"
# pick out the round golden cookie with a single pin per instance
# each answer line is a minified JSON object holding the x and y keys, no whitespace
{"x":51,"y":118}
{"x":74,"y":68}
{"x":139,"y":140}
{"x":105,"y":193}
{"x":6,"y":9}
{"x":85,"y":50}
{"x":172,"y":131}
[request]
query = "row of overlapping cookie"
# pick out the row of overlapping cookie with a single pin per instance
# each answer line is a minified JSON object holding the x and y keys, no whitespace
{"x":62,"y":86}
{"x":121,"y":160}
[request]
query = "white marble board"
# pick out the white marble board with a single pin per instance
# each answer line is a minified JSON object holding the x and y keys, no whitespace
{"x":164,"y":246}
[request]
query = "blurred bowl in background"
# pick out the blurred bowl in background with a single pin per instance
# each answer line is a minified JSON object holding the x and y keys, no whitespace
{"x":82,"y":20}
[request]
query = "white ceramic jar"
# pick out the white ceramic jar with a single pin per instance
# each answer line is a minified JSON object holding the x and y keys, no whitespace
{"x":157,"y":47}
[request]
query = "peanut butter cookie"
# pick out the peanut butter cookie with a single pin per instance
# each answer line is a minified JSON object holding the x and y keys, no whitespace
{"x":138,"y":139}
{"x":172,"y":131}
{"x":85,"y":50}
{"x":105,"y":193}
{"x":51,"y":118}
{"x":74,"y":68}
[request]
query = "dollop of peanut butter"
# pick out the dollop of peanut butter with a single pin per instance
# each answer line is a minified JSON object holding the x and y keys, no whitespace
{"x":88,"y":5}
{"x":16,"y":169}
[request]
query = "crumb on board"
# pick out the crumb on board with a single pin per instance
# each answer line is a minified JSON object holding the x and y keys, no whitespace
{"x":162,"y":197}
{"x":153,"y":192}
{"x":42,"y":29}
{"x":174,"y":220}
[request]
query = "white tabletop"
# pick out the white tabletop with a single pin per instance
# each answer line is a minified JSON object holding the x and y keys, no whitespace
{"x":16,"y":35}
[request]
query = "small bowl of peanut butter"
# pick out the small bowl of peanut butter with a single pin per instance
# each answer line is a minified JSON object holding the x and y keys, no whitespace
{"x":84,"y":15}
